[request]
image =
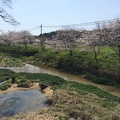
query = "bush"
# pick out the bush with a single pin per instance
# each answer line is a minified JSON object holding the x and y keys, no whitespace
{"x":100,"y":80}
{"x":24,"y":83}
{"x":89,"y":76}
{"x":5,"y":86}
{"x":13,"y":80}
{"x":43,"y":85}
{"x":103,"y":80}
{"x":28,"y":53}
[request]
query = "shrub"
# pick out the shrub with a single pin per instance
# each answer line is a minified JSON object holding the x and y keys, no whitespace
{"x":43,"y":85}
{"x":5,"y":86}
{"x":89,"y":76}
{"x":13,"y":80}
{"x":103,"y":80}
{"x":24,"y":83}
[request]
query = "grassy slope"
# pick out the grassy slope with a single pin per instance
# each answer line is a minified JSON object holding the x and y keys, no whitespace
{"x":8,"y":60}
{"x":82,"y":62}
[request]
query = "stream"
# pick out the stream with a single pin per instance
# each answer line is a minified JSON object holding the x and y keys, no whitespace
{"x":67,"y":76}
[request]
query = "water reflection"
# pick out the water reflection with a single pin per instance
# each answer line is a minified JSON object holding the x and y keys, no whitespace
{"x":21,"y":101}
{"x":42,"y":69}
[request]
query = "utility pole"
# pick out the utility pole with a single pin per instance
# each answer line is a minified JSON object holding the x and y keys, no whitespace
{"x":41,"y":29}
{"x":1,"y":32}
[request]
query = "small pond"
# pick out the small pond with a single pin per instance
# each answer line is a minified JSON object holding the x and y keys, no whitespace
{"x":21,"y":101}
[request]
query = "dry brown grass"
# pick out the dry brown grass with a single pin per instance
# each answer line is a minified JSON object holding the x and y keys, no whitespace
{"x":65,"y":105}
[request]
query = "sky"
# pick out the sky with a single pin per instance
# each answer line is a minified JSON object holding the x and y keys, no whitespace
{"x":32,"y":13}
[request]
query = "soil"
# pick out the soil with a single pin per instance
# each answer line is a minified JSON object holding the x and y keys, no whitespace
{"x":48,"y":91}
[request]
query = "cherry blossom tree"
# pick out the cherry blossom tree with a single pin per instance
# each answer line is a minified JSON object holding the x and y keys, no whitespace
{"x":111,"y":34}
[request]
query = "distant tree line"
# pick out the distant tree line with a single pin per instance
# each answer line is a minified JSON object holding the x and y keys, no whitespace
{"x":16,"y":38}
{"x":105,"y":34}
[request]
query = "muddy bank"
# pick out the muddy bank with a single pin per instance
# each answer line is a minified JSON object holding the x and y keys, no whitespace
{"x":14,"y":88}
{"x":47,"y":91}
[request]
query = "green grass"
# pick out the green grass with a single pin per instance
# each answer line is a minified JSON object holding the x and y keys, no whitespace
{"x":4,"y":74}
{"x":5,"y":85}
{"x":60,"y":83}
{"x":24,"y":83}
{"x":57,"y":83}
{"x":14,"y":51}
{"x":82,"y":62}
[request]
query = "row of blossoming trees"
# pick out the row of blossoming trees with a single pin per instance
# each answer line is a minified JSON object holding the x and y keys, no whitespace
{"x":105,"y":34}
{"x":16,"y":38}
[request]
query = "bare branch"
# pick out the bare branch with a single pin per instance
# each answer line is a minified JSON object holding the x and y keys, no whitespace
{"x":7,"y":3}
{"x":8,"y":18}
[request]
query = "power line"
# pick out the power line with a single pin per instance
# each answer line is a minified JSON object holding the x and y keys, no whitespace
{"x":73,"y":25}
{"x":35,"y":28}
{"x":80,"y":24}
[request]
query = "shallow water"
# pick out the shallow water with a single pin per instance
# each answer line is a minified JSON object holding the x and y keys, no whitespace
{"x":21,"y":101}
{"x":67,"y":76}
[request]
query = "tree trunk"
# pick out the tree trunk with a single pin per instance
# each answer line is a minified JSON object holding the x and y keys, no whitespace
{"x":25,"y":46}
{"x":96,"y":53}
{"x":119,"y":52}
{"x":70,"y":52}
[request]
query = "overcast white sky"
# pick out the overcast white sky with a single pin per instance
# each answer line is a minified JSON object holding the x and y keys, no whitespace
{"x":32,"y":13}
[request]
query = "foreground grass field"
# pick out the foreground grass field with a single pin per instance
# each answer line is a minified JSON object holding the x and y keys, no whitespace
{"x":70,"y":100}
